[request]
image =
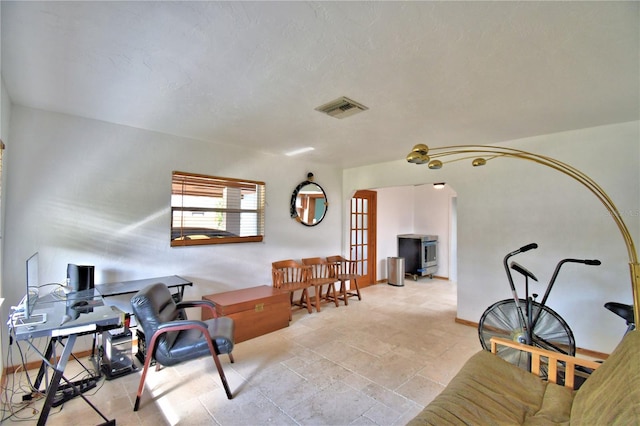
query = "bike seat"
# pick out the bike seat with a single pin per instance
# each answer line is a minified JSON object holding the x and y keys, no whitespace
{"x":524,"y":271}
{"x":622,"y":310}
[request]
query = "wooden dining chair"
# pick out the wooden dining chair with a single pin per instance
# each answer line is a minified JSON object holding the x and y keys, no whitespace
{"x":345,"y":270}
{"x":319,"y":276}
{"x":291,"y":276}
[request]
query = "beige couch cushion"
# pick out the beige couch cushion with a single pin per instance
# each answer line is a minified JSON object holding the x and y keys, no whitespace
{"x":488,"y":390}
{"x":611,"y":395}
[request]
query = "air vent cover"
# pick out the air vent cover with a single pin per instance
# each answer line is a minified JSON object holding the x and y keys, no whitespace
{"x":342,"y":107}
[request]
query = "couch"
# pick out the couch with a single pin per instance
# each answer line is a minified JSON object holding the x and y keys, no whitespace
{"x":489,"y":390}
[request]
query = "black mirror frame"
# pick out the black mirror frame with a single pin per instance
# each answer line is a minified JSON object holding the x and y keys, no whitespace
{"x":294,"y":196}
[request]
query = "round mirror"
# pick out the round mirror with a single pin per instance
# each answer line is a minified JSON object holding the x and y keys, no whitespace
{"x":309,"y":203}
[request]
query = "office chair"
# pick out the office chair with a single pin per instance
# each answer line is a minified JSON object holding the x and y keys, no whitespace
{"x":172,"y":339}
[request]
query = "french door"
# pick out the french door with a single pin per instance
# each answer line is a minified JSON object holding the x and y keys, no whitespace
{"x":362,"y":235}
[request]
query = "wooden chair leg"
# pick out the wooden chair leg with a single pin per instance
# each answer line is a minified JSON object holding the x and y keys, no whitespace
{"x":147,"y":362}
{"x":332,"y":295}
{"x":213,"y":348}
{"x":291,"y":305}
{"x":357,"y":293}
{"x":317,"y":297}
{"x":328,"y":295}
{"x":221,"y":373}
{"x":305,"y":295}
{"x":332,"y":289}
{"x":343,"y":291}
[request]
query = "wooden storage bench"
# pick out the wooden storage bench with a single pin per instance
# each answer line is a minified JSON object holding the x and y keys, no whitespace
{"x":256,"y":310}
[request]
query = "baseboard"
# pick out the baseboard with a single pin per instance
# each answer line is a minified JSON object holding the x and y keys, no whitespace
{"x":435,"y":277}
{"x":466,"y":322}
{"x":579,"y":351}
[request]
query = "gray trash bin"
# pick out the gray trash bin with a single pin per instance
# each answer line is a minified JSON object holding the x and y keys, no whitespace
{"x":395,"y":271}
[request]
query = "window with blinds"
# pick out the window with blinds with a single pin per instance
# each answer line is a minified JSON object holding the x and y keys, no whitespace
{"x":215,"y":210}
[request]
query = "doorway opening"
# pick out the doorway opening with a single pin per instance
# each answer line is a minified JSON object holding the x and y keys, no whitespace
{"x":418,"y":209}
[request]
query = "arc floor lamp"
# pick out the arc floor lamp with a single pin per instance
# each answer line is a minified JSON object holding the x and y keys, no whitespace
{"x":480,"y":154}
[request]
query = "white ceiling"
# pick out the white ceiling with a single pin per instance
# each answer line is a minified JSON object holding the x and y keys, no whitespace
{"x":251,"y":73}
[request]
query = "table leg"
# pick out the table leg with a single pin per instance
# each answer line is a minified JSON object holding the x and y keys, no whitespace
{"x":55,"y":380}
{"x":43,"y":366}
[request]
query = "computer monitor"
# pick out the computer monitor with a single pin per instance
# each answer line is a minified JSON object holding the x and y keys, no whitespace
{"x":25,"y":316}
{"x":32,"y":284}
{"x":80,"y":277}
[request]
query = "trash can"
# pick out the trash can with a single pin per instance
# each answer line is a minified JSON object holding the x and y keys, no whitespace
{"x":395,"y":271}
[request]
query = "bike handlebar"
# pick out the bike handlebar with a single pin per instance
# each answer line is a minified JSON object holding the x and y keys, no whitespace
{"x":591,"y":262}
{"x":528,"y":247}
{"x":520,"y":250}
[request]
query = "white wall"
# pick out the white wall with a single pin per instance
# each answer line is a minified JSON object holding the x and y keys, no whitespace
{"x":88,"y":192}
{"x":5,"y":114}
{"x":433,"y":215}
{"x":509,"y":203}
{"x":395,"y":215}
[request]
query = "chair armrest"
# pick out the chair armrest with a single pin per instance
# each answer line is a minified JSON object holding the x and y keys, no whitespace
{"x":554,"y":357}
{"x":179,"y":325}
{"x":205,"y":304}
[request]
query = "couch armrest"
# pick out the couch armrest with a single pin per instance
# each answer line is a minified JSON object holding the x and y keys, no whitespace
{"x":554,"y":357}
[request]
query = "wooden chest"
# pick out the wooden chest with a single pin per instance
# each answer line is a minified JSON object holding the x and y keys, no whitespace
{"x":255,"y":311}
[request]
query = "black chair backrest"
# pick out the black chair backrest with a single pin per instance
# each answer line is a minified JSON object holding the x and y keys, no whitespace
{"x":153,"y":306}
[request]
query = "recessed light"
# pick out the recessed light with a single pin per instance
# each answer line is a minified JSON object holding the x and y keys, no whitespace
{"x":438,"y":185}
{"x":299,"y":151}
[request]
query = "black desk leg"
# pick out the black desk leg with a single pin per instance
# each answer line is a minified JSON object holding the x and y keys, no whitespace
{"x":58,"y":372}
{"x":43,"y":366}
{"x":55,"y":380}
{"x":51,"y":393}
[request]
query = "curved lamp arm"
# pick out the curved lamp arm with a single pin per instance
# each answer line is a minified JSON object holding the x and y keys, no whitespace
{"x":421,"y":154}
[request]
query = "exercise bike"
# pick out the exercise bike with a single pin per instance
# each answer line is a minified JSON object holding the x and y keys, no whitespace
{"x":526,"y":320}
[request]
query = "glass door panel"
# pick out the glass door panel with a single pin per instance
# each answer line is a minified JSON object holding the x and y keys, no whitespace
{"x":362,"y":235}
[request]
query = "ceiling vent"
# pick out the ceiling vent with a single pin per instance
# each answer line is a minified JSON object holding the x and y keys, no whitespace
{"x":342,"y":107}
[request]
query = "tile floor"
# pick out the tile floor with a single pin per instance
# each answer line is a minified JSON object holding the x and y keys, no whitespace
{"x":378,"y":361}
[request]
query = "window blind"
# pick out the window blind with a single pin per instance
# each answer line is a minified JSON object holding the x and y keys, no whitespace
{"x":215,"y":210}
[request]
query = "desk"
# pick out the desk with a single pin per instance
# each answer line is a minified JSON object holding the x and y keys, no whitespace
{"x":92,"y":318}
{"x":131,"y":287}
